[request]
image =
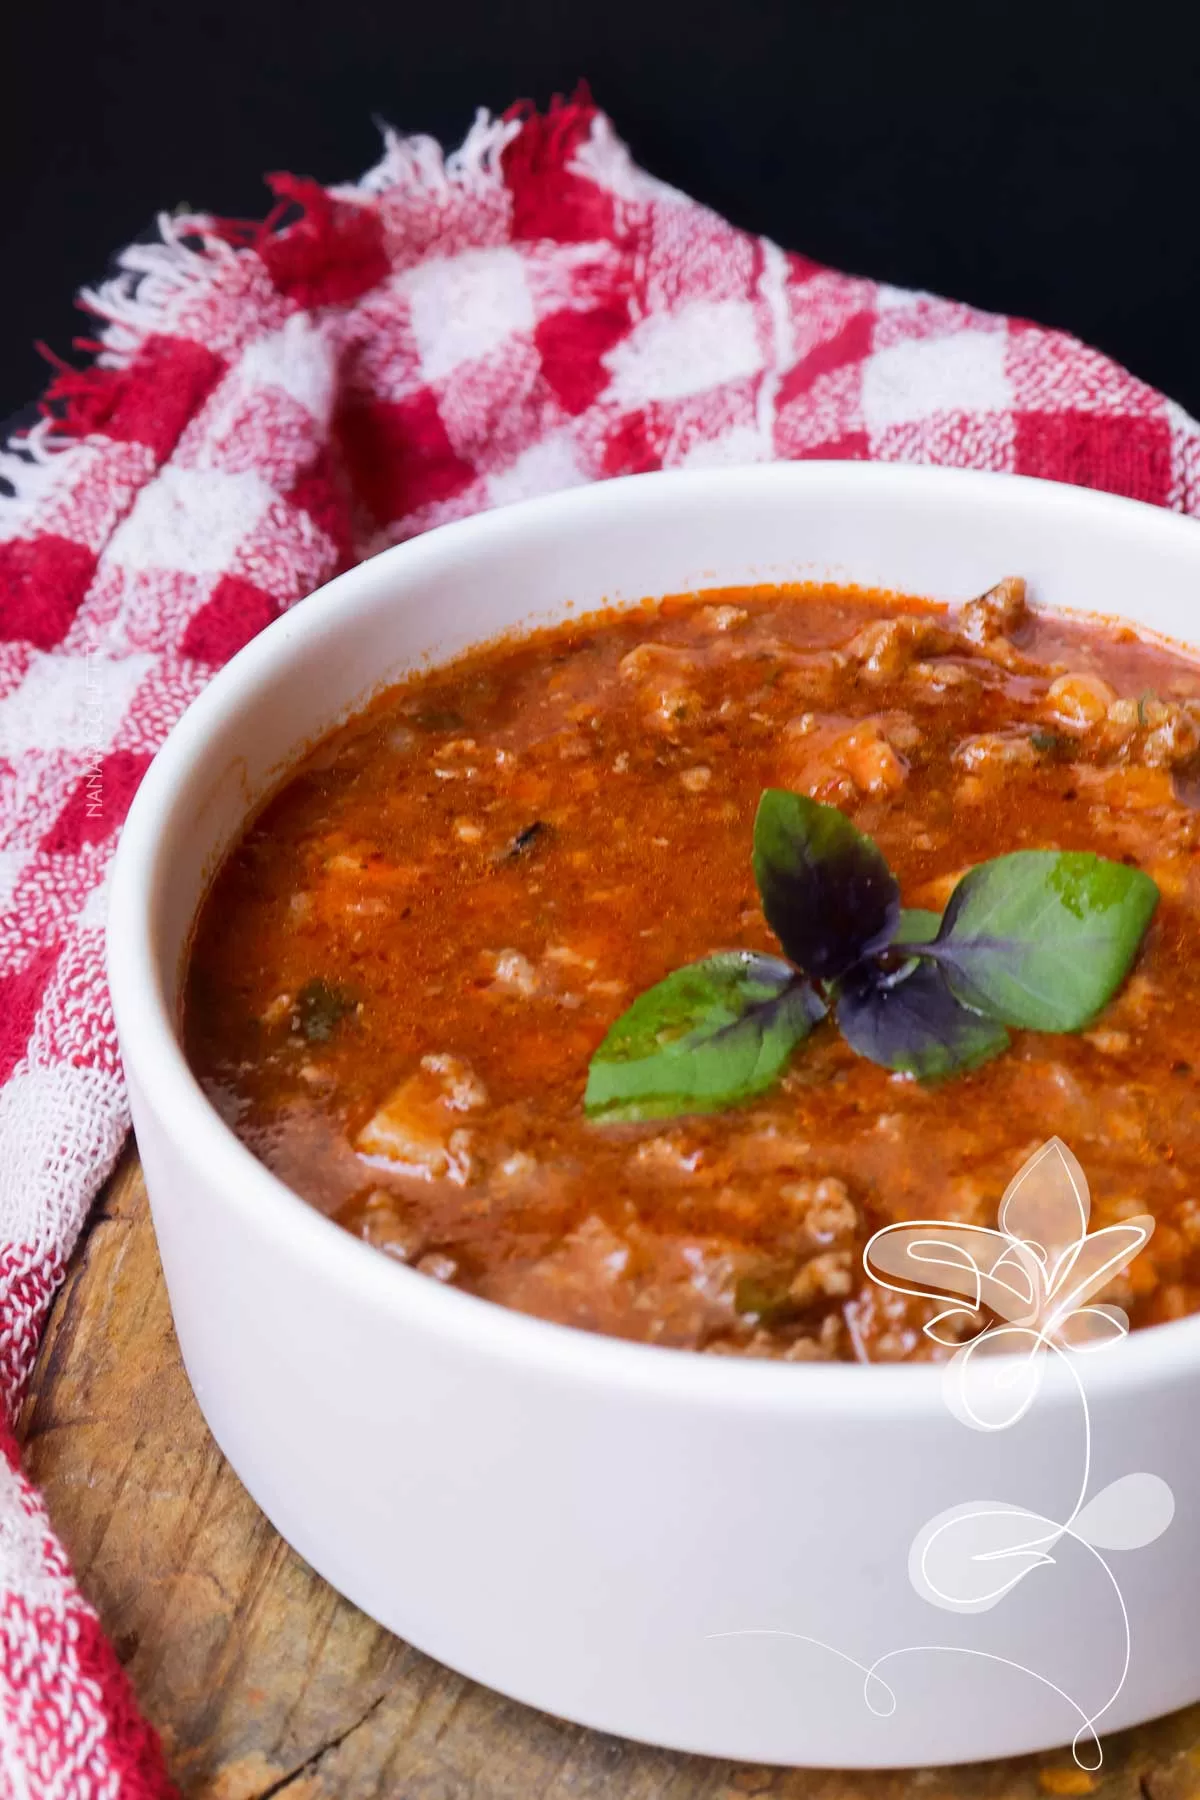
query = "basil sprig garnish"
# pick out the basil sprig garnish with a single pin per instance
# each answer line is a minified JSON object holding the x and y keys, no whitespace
{"x":1039,"y":940}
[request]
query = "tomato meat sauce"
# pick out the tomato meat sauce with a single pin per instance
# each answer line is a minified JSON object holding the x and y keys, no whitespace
{"x":403,"y":968}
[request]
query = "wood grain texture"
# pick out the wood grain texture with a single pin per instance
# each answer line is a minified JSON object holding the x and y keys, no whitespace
{"x":264,"y":1682}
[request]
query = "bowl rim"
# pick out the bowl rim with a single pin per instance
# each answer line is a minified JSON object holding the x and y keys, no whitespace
{"x":553,"y":1352}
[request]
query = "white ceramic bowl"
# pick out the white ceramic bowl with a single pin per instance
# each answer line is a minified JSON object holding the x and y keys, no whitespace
{"x":696,"y":1551}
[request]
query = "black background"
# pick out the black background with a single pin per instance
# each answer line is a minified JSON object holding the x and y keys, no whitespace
{"x":1043,"y":160}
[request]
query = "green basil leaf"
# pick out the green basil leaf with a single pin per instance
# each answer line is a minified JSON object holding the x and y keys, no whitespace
{"x":826,"y":890}
{"x":917,"y":926}
{"x":914,"y":1023}
{"x":1043,"y":938}
{"x":713,"y":1033}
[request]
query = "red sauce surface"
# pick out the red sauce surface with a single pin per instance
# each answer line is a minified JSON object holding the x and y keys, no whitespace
{"x":403,"y":968}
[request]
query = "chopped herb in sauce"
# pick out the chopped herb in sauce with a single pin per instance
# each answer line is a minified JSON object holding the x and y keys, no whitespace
{"x":320,"y":1009}
{"x":526,"y":839}
{"x":768,"y":1302}
{"x":1185,"y":784}
{"x":437,"y":718}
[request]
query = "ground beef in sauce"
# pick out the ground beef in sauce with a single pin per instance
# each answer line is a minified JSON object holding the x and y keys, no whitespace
{"x":404,"y":967}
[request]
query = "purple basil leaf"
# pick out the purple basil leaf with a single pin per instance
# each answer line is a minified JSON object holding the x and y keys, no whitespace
{"x":827,"y":892}
{"x":912,"y":1022}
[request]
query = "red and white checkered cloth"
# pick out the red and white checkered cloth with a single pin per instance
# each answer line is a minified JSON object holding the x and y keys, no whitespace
{"x":271,"y":403}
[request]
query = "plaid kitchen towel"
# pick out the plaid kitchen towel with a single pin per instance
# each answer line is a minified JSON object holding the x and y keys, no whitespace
{"x":269,"y":403}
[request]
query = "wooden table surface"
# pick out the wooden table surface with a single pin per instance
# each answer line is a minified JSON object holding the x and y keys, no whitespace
{"x":263,"y":1681}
